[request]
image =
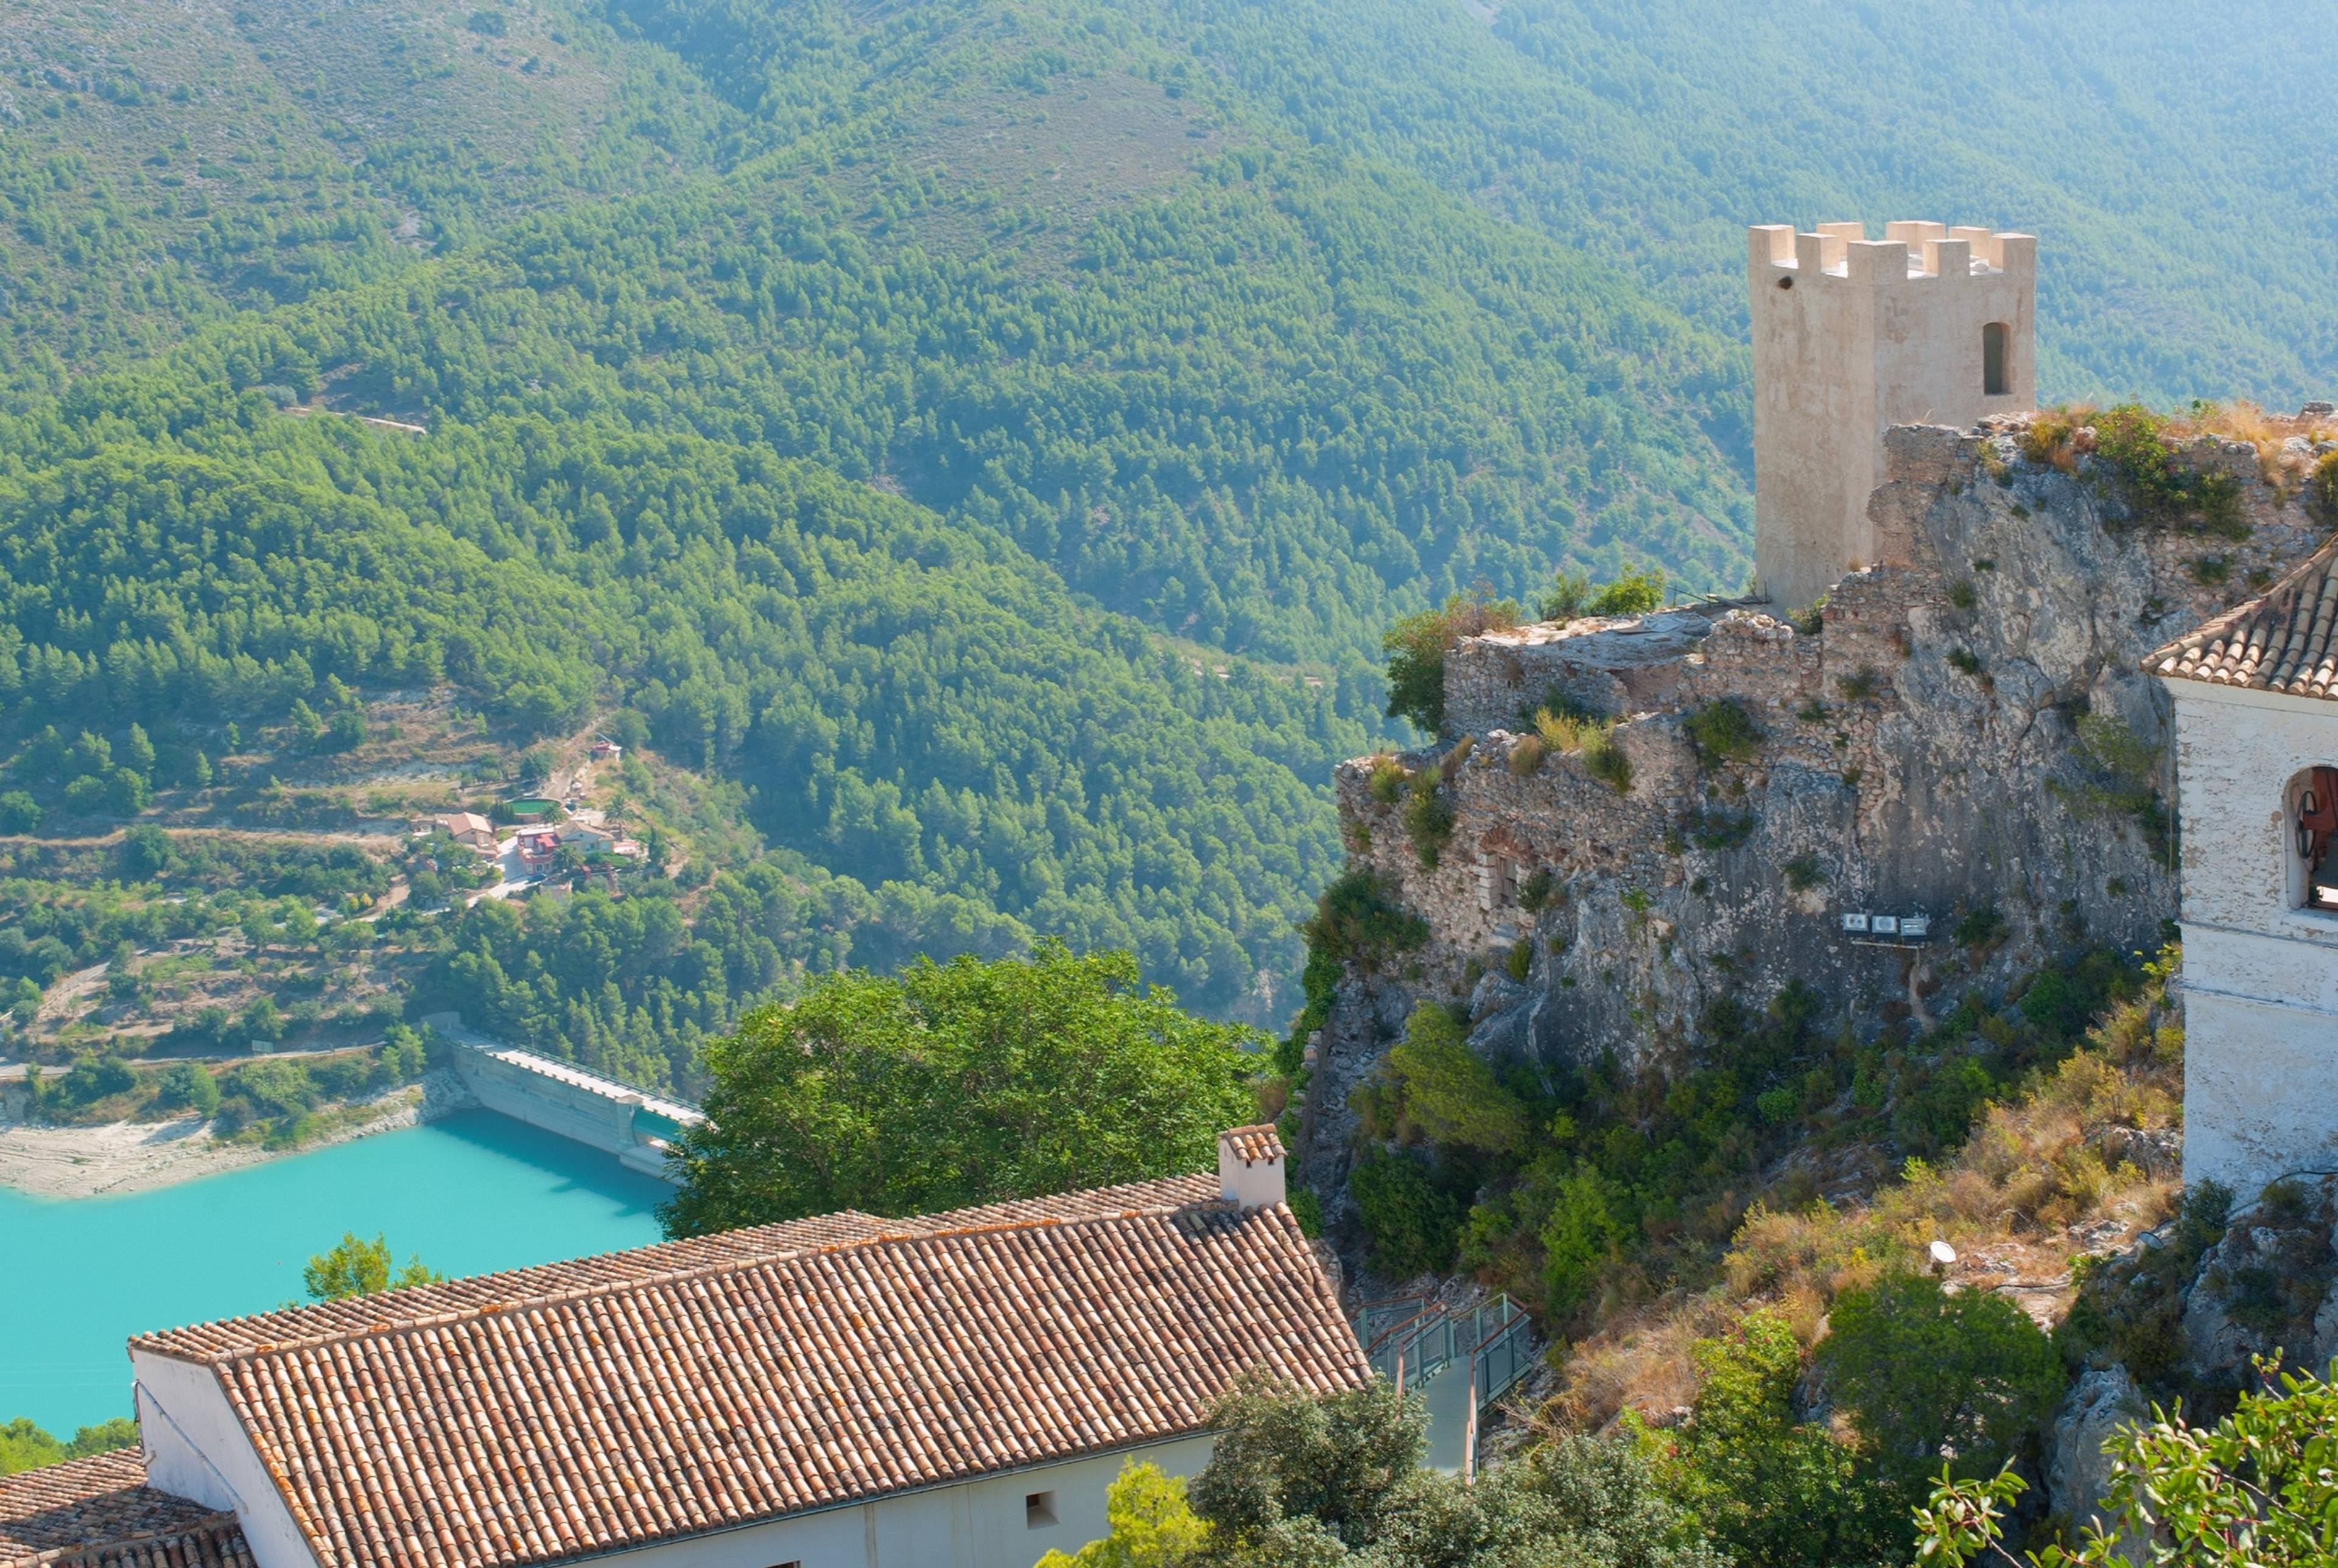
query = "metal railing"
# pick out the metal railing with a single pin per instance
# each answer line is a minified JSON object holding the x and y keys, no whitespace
{"x":1411,"y":1339}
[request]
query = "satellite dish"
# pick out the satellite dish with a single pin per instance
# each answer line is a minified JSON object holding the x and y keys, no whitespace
{"x":1942,"y":1254}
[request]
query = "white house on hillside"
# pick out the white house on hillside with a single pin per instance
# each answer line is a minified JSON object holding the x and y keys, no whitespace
{"x":2256,"y":738}
{"x":952,"y":1391}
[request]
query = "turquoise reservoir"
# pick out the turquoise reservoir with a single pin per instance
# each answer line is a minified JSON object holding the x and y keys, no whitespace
{"x":470,"y":1194}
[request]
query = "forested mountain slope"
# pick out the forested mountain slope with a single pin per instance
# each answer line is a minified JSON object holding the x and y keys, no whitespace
{"x":909,"y":410}
{"x":2172,"y":155}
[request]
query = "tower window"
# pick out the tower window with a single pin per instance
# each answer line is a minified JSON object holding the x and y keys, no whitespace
{"x":1039,"y":1510}
{"x":1992,"y":359}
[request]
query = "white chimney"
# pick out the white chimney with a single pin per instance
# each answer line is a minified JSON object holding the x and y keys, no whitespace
{"x":1251,"y":1166}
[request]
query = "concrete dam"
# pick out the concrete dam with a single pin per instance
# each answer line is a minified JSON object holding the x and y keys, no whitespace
{"x":634,"y":1124}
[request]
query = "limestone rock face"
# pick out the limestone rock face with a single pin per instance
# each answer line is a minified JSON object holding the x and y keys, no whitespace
{"x":2270,"y":1285}
{"x":2077,"y":1471}
{"x":1965,"y":736}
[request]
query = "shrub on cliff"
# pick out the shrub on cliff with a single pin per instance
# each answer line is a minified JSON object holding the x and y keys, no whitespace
{"x":1361,"y":919}
{"x":1413,"y":1220}
{"x":1723,"y":732}
{"x":2257,"y":1490}
{"x":1635,"y":593}
{"x":1416,"y":647}
{"x":1774,"y":1491}
{"x":1450,"y":1092}
{"x":2321,"y":491}
{"x":1429,"y":817}
{"x":2159,"y":487}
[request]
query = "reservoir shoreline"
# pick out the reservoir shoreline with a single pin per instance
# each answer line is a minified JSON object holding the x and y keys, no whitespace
{"x":468,"y":1192}
{"x":115,"y":1158}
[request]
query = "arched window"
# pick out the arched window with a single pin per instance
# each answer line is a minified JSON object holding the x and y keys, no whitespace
{"x":2314,"y":838}
{"x":1992,"y":359}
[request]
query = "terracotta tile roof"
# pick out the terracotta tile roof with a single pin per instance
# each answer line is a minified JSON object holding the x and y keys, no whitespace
{"x":1251,"y":1144}
{"x":2286,"y":640}
{"x":99,"y":1513}
{"x":235,"y":1336}
{"x":587,"y":1408}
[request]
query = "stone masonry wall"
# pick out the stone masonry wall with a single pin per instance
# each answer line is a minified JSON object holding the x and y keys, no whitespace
{"x":1921,"y":754}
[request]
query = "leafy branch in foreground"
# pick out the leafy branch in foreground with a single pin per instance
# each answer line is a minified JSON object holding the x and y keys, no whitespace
{"x":2258,"y":1489}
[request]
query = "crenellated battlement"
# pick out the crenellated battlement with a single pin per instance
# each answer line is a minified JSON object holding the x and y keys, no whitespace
{"x":1909,"y":250}
{"x":1928,"y":325}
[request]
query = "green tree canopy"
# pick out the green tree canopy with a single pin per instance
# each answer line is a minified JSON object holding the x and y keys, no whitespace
{"x":1297,"y":1480}
{"x":1924,"y":1374}
{"x":1776,"y":1493}
{"x":956,"y":1084}
{"x":357,"y":1266}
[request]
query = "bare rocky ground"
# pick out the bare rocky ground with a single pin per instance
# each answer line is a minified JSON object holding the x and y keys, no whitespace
{"x":119,"y":1157}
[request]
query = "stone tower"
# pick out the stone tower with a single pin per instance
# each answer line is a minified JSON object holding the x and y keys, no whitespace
{"x":2256,"y":747}
{"x":1851,"y":335}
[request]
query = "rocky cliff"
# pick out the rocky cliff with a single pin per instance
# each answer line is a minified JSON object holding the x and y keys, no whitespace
{"x":1959,"y":734}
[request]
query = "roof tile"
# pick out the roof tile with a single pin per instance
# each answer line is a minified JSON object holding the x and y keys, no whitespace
{"x":2286,"y":641}
{"x":1254,"y":1143}
{"x":99,"y":1513}
{"x":608,"y":1403}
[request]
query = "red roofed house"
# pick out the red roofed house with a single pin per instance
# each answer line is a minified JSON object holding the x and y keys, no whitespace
{"x":950,"y":1391}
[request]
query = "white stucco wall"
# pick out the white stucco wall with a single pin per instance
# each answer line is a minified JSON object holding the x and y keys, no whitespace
{"x":973,"y":1525}
{"x":2260,"y":981}
{"x":195,"y":1447}
{"x":1846,"y":345}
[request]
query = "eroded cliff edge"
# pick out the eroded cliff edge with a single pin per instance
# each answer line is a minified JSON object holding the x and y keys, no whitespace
{"x":1960,"y":732}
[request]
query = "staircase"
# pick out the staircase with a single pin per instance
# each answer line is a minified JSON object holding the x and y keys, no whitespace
{"x":1459,"y":1359}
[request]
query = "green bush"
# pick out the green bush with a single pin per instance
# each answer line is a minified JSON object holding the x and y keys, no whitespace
{"x":1361,"y":919}
{"x":2322,"y":491}
{"x":1723,"y":732}
{"x":1605,"y":760}
{"x":1536,"y":892}
{"x":2129,"y":1307}
{"x":1413,"y":1222}
{"x":1774,"y":1492}
{"x":19,"y":812}
{"x":2255,"y":1490}
{"x":2157,"y":486}
{"x":1429,"y":817}
{"x":1637,"y":592}
{"x":1927,"y":1377}
{"x":1586,"y":1234}
{"x":187,"y":1086}
{"x":1449,"y":1093}
{"x":1979,"y":928}
{"x":1416,"y":647}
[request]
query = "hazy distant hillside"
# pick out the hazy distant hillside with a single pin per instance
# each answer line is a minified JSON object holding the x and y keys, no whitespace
{"x":904,"y":410}
{"x":2172,"y":154}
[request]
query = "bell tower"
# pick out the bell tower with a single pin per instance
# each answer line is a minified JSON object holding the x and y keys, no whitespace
{"x":1927,"y":325}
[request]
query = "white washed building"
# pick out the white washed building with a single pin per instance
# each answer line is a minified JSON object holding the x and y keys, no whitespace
{"x":2256,"y":736}
{"x":952,"y":1391}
